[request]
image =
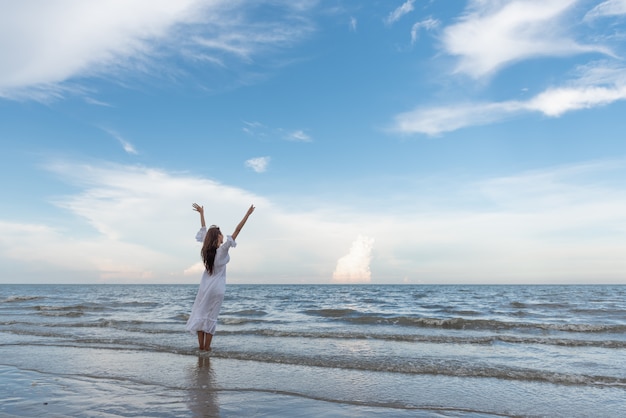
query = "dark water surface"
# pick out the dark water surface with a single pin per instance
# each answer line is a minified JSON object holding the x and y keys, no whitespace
{"x":346,"y":350}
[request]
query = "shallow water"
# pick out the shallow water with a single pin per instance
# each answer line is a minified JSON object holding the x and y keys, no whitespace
{"x":345,"y":350}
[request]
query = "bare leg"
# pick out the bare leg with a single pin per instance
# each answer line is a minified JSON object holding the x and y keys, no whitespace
{"x":207,"y":341}
{"x":201,"y":335}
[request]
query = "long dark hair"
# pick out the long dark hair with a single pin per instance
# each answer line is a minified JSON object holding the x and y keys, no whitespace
{"x":209,"y":248}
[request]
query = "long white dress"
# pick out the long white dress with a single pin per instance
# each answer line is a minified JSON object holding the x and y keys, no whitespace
{"x":210,"y":295}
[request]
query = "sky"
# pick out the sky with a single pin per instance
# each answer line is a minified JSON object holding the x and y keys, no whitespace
{"x":383,"y":142}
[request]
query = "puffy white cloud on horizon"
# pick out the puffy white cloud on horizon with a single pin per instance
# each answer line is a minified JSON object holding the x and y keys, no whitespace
{"x":561,"y":224}
{"x":354,"y":267}
{"x":132,"y":223}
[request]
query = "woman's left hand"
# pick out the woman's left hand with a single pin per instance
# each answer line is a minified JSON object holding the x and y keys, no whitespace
{"x":198,"y":208}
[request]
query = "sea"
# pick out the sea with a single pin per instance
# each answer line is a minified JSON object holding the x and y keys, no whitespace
{"x":315,"y":351}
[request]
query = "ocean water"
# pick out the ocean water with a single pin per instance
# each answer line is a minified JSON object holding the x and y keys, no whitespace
{"x":315,"y":350}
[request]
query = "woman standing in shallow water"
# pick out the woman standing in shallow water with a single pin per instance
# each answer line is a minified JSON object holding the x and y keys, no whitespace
{"x":206,"y":307}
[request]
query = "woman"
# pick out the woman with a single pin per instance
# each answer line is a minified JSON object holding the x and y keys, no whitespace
{"x":203,"y":318}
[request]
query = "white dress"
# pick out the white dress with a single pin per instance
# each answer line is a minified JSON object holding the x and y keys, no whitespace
{"x":210,"y":295}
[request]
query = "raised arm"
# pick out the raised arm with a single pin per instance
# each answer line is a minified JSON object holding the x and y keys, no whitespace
{"x":243,"y":222}
{"x":200,"y":210}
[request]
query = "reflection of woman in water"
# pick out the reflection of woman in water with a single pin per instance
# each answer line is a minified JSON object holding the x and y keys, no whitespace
{"x":202,"y":398}
{"x":206,"y":307}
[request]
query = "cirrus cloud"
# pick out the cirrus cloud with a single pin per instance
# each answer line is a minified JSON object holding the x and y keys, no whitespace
{"x":596,"y":85}
{"x":607,"y":8}
{"x":47,"y":48}
{"x":494,"y":34}
{"x":406,"y":8}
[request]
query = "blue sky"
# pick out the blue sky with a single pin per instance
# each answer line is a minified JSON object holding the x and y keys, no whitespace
{"x":425,"y":141}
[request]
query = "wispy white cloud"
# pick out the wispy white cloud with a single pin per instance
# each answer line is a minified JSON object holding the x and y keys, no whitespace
{"x":606,"y":9}
{"x":46,"y":44}
{"x":428,"y":24}
{"x":96,"y":102}
{"x":298,"y":136}
{"x":395,"y":15}
{"x":556,"y":102}
{"x":494,"y":34}
{"x":353,"y":24}
{"x":438,"y":119}
{"x":127,"y":146}
{"x":596,"y":85}
{"x":258,"y":129}
{"x":244,"y":39}
{"x":47,"y":48}
{"x":254,"y":128}
{"x":258,"y":164}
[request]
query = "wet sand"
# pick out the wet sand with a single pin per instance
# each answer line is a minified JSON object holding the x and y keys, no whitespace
{"x":28,"y":393}
{"x":72,"y":382}
{"x":40,"y":380}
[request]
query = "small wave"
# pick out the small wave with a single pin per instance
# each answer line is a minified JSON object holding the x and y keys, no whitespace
{"x":36,"y":326}
{"x":425,"y":322}
{"x":134,"y":304}
{"x":584,"y":327}
{"x":70,"y":314}
{"x":387,"y":364}
{"x":167,"y":328}
{"x":247,"y":312}
{"x":460,"y":323}
{"x":434,"y":339}
{"x":11,"y":299}
{"x":43,"y":309}
{"x":331,"y":313}
{"x":453,"y":368}
{"x":67,"y":311}
{"x":112,"y":323}
{"x":465,"y":312}
{"x":240,"y":321}
{"x":181,"y":317}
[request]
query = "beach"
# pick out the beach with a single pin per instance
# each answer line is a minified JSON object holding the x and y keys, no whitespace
{"x":309,"y":351}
